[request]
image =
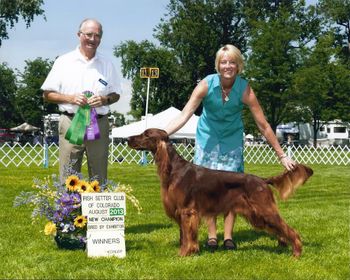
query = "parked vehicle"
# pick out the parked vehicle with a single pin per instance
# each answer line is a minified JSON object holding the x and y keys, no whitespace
{"x":7,"y":136}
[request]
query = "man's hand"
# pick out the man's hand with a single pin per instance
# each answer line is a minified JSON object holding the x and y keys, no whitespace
{"x":97,"y":101}
{"x":79,"y":99}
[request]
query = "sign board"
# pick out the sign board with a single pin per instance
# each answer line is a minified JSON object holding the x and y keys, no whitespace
{"x":149,"y":72}
{"x":105,"y":223}
{"x":106,"y":244}
{"x":103,"y":204}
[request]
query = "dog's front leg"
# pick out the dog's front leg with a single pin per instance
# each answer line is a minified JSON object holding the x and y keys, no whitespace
{"x":178,"y":221}
{"x":189,"y":232}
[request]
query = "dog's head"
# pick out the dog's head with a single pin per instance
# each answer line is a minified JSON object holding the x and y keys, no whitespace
{"x":148,"y":140}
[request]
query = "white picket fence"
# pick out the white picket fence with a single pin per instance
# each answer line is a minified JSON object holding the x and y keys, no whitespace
{"x":28,"y":155}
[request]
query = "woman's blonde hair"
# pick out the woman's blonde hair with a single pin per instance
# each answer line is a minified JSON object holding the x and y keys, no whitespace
{"x":233,"y":52}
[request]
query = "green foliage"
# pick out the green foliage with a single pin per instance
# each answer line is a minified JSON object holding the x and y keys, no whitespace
{"x":7,"y":96}
{"x":337,"y":13}
{"x":164,"y":90}
{"x":275,"y":36}
{"x":184,"y":57}
{"x":12,"y":10}
{"x":321,"y":86}
{"x":275,"y":55}
{"x":319,"y":211}
{"x":211,"y":23}
{"x":119,"y":119}
{"x":29,"y":100}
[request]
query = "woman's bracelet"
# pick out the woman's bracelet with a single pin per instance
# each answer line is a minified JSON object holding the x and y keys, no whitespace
{"x":280,"y":157}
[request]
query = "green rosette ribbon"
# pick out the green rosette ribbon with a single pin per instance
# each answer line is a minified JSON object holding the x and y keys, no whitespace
{"x":76,"y":132}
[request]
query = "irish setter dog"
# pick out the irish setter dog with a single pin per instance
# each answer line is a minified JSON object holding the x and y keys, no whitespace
{"x":190,"y":192}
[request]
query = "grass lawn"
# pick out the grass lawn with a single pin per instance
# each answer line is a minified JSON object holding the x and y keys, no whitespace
{"x":319,"y":211}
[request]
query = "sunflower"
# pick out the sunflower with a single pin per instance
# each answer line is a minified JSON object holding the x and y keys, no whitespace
{"x":84,"y":186}
{"x":80,"y":221}
{"x":95,"y":185}
{"x":72,"y":183}
{"x":50,"y":229}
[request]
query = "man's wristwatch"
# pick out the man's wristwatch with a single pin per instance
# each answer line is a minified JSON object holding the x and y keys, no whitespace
{"x":109,"y":100}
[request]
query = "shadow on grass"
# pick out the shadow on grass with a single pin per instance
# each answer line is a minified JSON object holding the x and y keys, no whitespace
{"x":245,"y":240}
{"x":146,"y":228}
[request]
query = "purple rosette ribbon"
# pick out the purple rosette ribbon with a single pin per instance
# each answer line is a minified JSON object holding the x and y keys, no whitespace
{"x":92,"y":131}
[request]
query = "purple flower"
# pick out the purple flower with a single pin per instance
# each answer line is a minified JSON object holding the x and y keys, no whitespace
{"x":64,"y":199}
{"x":75,"y":198}
{"x":66,"y":210}
{"x":82,"y":239}
{"x":57,"y":216}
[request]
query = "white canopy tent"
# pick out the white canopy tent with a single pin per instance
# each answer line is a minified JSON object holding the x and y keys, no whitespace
{"x":25,"y":127}
{"x":159,"y":120}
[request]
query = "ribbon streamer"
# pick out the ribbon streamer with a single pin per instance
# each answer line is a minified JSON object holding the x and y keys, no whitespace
{"x":84,"y":125}
{"x":92,"y":131}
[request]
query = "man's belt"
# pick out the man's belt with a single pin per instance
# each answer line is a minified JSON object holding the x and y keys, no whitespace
{"x":71,"y":115}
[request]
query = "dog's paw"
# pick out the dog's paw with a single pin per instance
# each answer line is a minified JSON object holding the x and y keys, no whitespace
{"x":188,"y":251}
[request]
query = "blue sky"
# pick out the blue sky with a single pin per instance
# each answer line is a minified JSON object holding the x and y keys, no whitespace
{"x":121,"y":19}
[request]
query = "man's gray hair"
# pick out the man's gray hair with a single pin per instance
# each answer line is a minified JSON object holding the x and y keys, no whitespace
{"x":93,"y":20}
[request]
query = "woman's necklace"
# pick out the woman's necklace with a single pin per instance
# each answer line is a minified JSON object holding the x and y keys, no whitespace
{"x":225,"y":93}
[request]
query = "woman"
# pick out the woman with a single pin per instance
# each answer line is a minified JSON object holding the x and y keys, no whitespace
{"x":219,"y":136}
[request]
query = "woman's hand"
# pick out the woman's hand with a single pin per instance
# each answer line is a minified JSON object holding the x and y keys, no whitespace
{"x":287,"y":162}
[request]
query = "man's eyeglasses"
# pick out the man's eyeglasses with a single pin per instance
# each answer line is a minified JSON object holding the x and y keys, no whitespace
{"x":91,"y":35}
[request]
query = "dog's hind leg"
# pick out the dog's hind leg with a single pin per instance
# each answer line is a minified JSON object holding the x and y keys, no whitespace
{"x":274,"y":224}
{"x":189,"y":230}
{"x":282,"y":242}
{"x":285,"y":234}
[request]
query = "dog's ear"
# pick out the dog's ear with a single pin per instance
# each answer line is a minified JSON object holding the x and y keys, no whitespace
{"x":162,"y":157}
{"x":165,"y":135}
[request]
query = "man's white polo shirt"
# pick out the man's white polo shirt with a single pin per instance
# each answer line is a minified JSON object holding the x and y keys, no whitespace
{"x":72,"y":73}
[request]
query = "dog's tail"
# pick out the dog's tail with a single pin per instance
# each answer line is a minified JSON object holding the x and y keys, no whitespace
{"x":289,"y":181}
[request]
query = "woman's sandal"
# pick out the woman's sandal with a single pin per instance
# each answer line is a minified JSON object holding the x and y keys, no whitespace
{"x":212,"y":244}
{"x":229,"y":244}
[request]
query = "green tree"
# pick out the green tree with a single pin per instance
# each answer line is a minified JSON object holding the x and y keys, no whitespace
{"x":8,"y":115}
{"x":189,"y":35}
{"x":196,"y":29}
{"x":322,"y":86}
{"x":12,"y":10}
{"x":337,"y":12}
{"x":277,"y":46}
{"x":118,"y":119}
{"x":164,"y":91}
{"x":29,"y":99}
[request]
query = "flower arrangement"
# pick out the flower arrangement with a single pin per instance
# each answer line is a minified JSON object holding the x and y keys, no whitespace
{"x":60,"y":204}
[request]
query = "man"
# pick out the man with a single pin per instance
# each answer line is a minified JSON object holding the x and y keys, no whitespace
{"x":72,"y":75}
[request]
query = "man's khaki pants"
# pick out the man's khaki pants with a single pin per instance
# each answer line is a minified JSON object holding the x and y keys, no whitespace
{"x":96,"y":151}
